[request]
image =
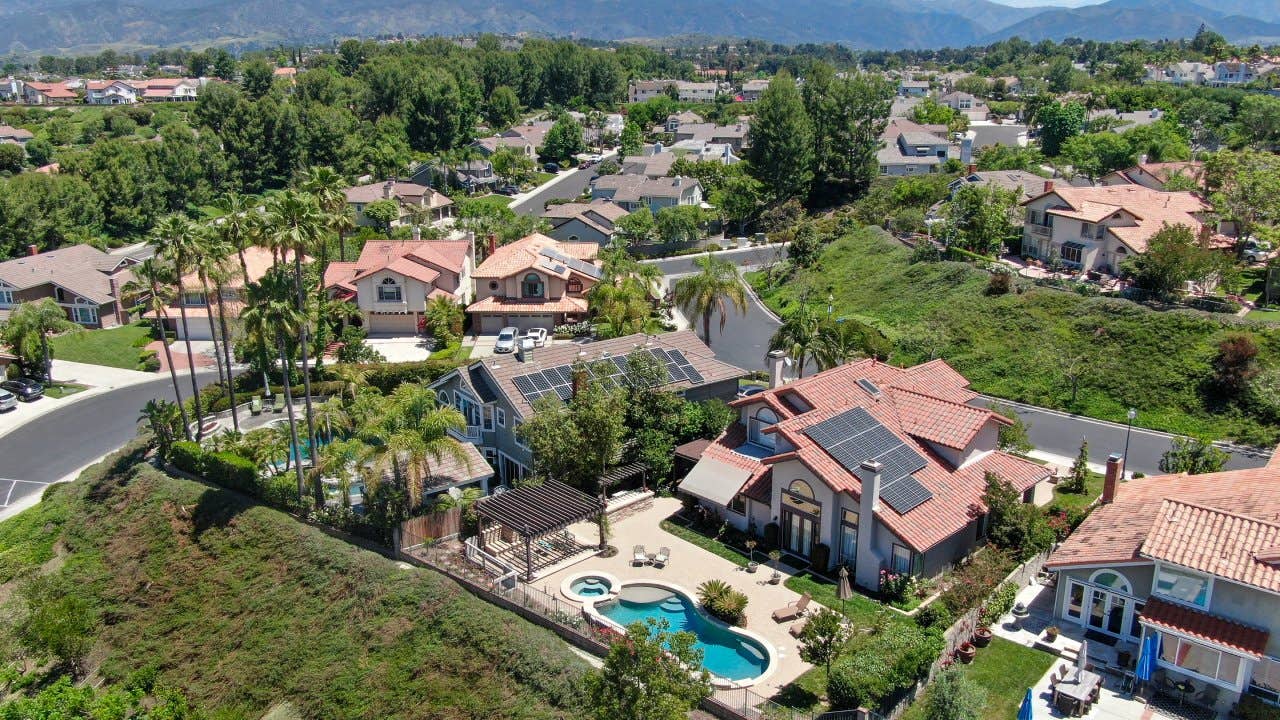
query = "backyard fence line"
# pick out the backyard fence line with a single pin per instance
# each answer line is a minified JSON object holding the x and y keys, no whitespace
{"x":424,"y":528}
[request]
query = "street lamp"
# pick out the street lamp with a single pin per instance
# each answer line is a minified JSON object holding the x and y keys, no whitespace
{"x":830,"y":304}
{"x":1133,"y":413}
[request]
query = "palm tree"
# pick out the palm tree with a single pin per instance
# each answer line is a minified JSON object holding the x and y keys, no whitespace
{"x":296,"y":222}
{"x":28,"y":329}
{"x":412,"y":433}
{"x":179,"y":243}
{"x":263,"y":446}
{"x":342,"y":460}
{"x":153,"y":278}
{"x":162,"y":417}
{"x":333,"y":416}
{"x":236,"y":226}
{"x":711,"y":290}
{"x":837,"y":343}
{"x":328,"y":188}
{"x":210,"y":269}
{"x":271,"y":314}
{"x":797,"y":335}
{"x":352,"y":378}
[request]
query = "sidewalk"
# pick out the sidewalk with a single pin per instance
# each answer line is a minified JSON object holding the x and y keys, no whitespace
{"x":99,"y":379}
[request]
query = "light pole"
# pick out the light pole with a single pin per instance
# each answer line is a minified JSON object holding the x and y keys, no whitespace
{"x":1132,"y":414}
{"x":830,"y":304}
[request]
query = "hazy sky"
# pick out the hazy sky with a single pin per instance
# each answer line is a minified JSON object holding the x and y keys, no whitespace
{"x":1040,"y":3}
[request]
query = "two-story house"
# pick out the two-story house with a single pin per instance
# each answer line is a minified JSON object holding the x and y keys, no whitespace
{"x":412,"y":197}
{"x":753,"y":89}
{"x":632,"y":192}
{"x":642,"y":90}
{"x":913,"y":88}
{"x":85,"y":281}
{"x":1156,"y":175}
{"x":912,"y":149}
{"x":867,"y":465}
{"x":496,"y":394}
{"x":392,"y":282}
{"x":471,"y":175}
{"x":200,"y":305}
{"x":737,"y":135}
{"x":1192,"y":559}
{"x":534,"y":282}
{"x":595,"y":221}
{"x":1097,"y":228}
{"x":964,"y":103}
{"x":1227,"y":73}
{"x":46,"y":93}
{"x":110,"y":92}
{"x":1180,"y":73}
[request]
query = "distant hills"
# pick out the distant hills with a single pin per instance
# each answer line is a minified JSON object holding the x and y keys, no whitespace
{"x":32,"y":26}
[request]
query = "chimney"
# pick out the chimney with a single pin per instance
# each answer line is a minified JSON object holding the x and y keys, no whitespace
{"x":33,"y":249}
{"x":417,"y":233}
{"x":1048,"y":186}
{"x":777,"y":363}
{"x":1115,"y":472}
{"x":867,"y":567}
{"x":677,"y":181}
{"x":389,"y":189}
{"x":491,"y":246}
{"x":579,"y":378}
{"x":972,"y":169}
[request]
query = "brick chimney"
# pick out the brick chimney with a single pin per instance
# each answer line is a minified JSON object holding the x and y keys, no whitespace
{"x":491,"y":245}
{"x":1111,"y":482}
{"x":1048,"y":186}
{"x":972,"y":169}
{"x":33,"y":249}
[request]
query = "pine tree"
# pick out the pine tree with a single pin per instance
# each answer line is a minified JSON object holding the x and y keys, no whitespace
{"x":1075,"y":482}
{"x":781,"y":151}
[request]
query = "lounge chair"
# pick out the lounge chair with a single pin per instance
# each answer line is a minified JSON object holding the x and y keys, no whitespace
{"x":638,"y":555}
{"x":793,"y":610}
{"x":798,"y":629}
{"x":278,"y":405}
{"x":663,"y":556}
{"x":255,"y":406}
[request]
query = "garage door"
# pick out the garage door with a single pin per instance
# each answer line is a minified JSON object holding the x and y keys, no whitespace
{"x":525,"y":322}
{"x":491,"y":324}
{"x":198,"y":328}
{"x":389,"y":324}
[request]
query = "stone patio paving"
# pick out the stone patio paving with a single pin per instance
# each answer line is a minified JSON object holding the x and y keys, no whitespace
{"x":689,"y":566}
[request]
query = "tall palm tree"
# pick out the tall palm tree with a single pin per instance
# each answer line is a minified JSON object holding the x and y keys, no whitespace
{"x":328,"y":187}
{"x":271,"y":315}
{"x":28,"y":328}
{"x":179,"y":243}
{"x":236,"y":224}
{"x":215,"y":271}
{"x":837,"y":343}
{"x":333,"y":416}
{"x":342,"y":460}
{"x":412,"y":433}
{"x":205,"y":264}
{"x":712,"y":289}
{"x":153,"y":280}
{"x":797,"y":335}
{"x":296,"y":222}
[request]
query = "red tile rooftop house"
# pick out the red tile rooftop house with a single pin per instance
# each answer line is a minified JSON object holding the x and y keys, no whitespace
{"x":884,"y":466}
{"x":1194,"y":559}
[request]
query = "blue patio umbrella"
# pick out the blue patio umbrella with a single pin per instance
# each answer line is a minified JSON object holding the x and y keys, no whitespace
{"x":1024,"y":711}
{"x":1147,"y":660}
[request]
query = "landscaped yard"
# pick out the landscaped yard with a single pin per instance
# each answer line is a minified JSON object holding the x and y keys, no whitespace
{"x":114,"y":347}
{"x":494,"y":201}
{"x":1073,"y":502}
{"x":61,"y":389}
{"x":1033,"y":346}
{"x":1005,"y":670}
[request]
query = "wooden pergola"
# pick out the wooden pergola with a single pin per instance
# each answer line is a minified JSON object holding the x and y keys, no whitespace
{"x":532,"y":512}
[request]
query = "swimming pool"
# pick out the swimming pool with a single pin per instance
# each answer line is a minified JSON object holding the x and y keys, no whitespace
{"x":727,"y":653}
{"x":590,"y":586}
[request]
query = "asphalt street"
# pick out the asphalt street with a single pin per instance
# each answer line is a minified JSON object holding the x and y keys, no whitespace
{"x":566,"y":188}
{"x":58,"y":443}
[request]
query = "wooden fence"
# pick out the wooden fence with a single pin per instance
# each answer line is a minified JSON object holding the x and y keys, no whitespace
{"x":425,"y":528}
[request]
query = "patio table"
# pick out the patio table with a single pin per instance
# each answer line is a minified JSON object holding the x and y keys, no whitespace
{"x":1078,"y":687}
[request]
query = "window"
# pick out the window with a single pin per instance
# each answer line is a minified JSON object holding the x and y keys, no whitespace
{"x":493,"y":284}
{"x":193,"y":299}
{"x":574,"y":285}
{"x":1266,"y":680}
{"x":903,"y":560}
{"x":848,"y":537}
{"x":531,"y":286}
{"x":1075,"y":601}
{"x":486,"y":417}
{"x":763,"y":418}
{"x":1183,"y":586}
{"x":1071,"y":253}
{"x":515,"y":427}
{"x":501,"y":416}
{"x":738,"y":504}
{"x":490,"y":456}
{"x":1200,"y":659}
{"x":6,"y":297}
{"x":442,"y":397}
{"x":1033,"y":216}
{"x":1112,"y":580}
{"x":389,"y":291}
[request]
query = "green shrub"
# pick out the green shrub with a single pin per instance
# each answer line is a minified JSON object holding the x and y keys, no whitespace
{"x":387,"y":378}
{"x":975,"y":580}
{"x":231,"y":471}
{"x":142,"y":341}
{"x":1000,"y":602}
{"x":187,"y":456}
{"x":1251,"y":708}
{"x":149,"y":362}
{"x":882,"y":667}
{"x":934,"y":616}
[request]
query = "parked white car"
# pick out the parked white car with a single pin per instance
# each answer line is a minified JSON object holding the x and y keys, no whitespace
{"x":537,"y":335}
{"x":8,"y":401}
{"x":1257,"y":251}
{"x":506,"y":342}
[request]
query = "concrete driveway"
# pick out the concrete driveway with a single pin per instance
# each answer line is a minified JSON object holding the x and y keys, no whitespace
{"x":409,"y":348}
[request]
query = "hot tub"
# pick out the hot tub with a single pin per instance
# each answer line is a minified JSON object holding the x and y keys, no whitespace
{"x":589,"y":586}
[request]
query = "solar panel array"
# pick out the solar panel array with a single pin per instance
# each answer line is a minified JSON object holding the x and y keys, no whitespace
{"x":558,"y":381}
{"x":854,"y":437}
{"x":586,"y":268}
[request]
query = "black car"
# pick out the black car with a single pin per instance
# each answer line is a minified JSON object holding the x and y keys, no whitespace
{"x":508,"y":190}
{"x":551,"y":167}
{"x":26,"y":389}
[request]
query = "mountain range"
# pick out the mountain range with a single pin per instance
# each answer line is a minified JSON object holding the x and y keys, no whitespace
{"x":35,"y":26}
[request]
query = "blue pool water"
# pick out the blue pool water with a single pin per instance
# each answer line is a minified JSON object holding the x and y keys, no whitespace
{"x":591,"y":586}
{"x":724,"y":653}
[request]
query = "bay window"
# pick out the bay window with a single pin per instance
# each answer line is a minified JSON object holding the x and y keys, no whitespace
{"x":1201,"y":660}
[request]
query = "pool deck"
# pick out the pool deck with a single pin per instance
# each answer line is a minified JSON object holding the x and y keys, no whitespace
{"x":689,"y":566}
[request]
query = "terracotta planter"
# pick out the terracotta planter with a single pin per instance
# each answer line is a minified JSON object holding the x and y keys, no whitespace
{"x":966,"y":652}
{"x":982,"y":637}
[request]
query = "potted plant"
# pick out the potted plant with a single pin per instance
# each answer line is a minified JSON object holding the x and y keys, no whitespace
{"x":776,"y":578}
{"x":752,"y":565}
{"x":982,"y":636}
{"x":1051,"y":633}
{"x":966,"y":652}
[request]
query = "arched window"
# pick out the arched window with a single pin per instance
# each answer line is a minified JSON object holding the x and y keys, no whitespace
{"x":801,"y":488}
{"x":389,"y":291}
{"x":1113,"y":580}
{"x":531,"y":286}
{"x":763,"y":418}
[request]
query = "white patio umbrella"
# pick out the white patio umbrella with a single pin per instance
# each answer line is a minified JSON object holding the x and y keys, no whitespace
{"x":1082,"y":660}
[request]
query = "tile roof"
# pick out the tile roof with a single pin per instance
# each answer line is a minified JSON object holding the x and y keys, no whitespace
{"x":341,"y":275}
{"x":8,"y":131}
{"x":80,"y":269}
{"x":1203,"y":626}
{"x":1150,"y":209}
{"x":634,"y":188}
{"x":404,"y":191}
{"x":500,"y":372}
{"x":1026,"y":184}
{"x":917,"y":404}
{"x":1117,"y":532}
{"x":422,"y":260}
{"x":524,"y":254}
{"x":495,"y":304}
{"x":53,"y":90}
{"x":1213,"y":541}
{"x":600,"y":214}
{"x":449,"y":470}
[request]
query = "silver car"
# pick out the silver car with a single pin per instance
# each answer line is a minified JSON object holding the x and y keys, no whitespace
{"x":8,"y":401}
{"x":506,"y":342}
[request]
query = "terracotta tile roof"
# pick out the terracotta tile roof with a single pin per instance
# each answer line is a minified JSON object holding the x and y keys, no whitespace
{"x":257,"y":259}
{"x":495,"y":304}
{"x":693,"y":449}
{"x":53,"y":90}
{"x":1203,"y":626}
{"x":1118,"y":531}
{"x":8,"y":131}
{"x":341,"y":275}
{"x":498,"y":372}
{"x":1149,"y":209}
{"x":524,"y":254}
{"x":1220,"y":543}
{"x":422,"y":260}
{"x":918,"y":404}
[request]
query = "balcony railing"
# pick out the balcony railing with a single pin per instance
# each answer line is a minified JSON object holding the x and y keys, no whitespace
{"x":1040,"y":230}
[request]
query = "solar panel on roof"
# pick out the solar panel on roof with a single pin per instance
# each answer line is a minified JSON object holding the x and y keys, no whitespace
{"x":525,"y":386}
{"x":854,"y":437}
{"x":905,"y":494}
{"x":539,"y":381}
{"x":564,"y":372}
{"x":564,"y":391}
{"x":677,"y":356}
{"x":694,"y":376}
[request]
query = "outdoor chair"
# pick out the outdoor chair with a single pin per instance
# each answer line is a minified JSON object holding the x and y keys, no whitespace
{"x":792,"y":610}
{"x":278,"y":405}
{"x":798,"y":629}
{"x":638,"y":555}
{"x":663,"y":556}
{"x":1208,"y":697}
{"x":255,"y":407}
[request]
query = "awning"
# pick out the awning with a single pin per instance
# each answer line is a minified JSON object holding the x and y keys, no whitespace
{"x":1220,"y":631}
{"x":715,"y":481}
{"x":1073,"y":245}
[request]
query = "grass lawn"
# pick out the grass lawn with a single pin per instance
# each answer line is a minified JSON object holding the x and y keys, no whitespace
{"x":494,"y":200}
{"x":1027,"y":346}
{"x":1005,"y":670}
{"x":1264,"y":315}
{"x":541,"y":177}
{"x":113,"y":347}
{"x":61,"y":390}
{"x":715,"y":547}
{"x":1079,"y":501}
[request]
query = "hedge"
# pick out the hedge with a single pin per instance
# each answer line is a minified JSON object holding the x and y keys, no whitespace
{"x":386,"y":377}
{"x":187,"y":456}
{"x":230,"y":470}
